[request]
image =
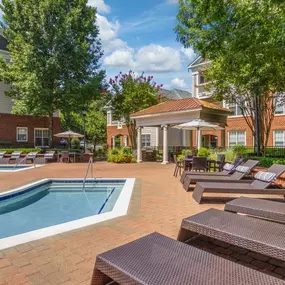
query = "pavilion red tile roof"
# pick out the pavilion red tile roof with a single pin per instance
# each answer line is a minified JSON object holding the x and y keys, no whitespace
{"x":176,"y":105}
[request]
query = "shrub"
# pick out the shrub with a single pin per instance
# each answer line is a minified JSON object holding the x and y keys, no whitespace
{"x":126,"y":150}
{"x":133,"y":160}
{"x":122,"y":155}
{"x":267,"y":161}
{"x":203,"y":152}
{"x":115,"y":151}
{"x":186,"y":152}
{"x":239,"y":150}
{"x":23,"y":150}
{"x":180,"y":156}
{"x":230,"y":155}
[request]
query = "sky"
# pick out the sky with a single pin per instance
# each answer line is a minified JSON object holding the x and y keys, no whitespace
{"x":139,"y":36}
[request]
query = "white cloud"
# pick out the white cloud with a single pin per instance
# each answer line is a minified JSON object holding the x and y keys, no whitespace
{"x":189,"y":52}
{"x":151,"y":58}
{"x":102,"y":7}
{"x":178,"y":83}
{"x":108,"y":30}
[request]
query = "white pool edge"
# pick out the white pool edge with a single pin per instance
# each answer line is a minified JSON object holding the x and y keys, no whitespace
{"x":119,"y":209}
{"x":21,"y":169}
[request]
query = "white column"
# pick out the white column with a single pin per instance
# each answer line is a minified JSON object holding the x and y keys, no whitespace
{"x":113,"y":142}
{"x":157,"y":137}
{"x":139,"y":145}
{"x":199,"y":139}
{"x":125,"y":140}
{"x":165,"y":144}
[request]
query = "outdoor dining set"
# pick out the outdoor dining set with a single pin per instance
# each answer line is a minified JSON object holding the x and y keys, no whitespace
{"x":157,"y":259}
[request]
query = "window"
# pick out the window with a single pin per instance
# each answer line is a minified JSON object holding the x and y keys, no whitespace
{"x":41,"y":137}
{"x":22,"y":134}
{"x":235,"y":108}
{"x":119,"y":125}
{"x":109,"y":118}
{"x":237,"y":137}
{"x":145,"y":140}
{"x":279,"y":138}
{"x":202,"y":79}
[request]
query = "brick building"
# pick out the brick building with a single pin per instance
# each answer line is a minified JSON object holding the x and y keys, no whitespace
{"x":21,"y":131}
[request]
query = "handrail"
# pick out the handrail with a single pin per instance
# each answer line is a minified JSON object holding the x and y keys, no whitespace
{"x":19,"y":162}
{"x":87,"y":170}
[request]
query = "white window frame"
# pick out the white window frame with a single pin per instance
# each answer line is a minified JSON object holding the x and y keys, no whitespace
{"x":228,"y":105}
{"x":274,"y":137}
{"x":148,"y":134}
{"x":17,"y":133}
{"x":35,"y":129}
{"x":236,"y":137}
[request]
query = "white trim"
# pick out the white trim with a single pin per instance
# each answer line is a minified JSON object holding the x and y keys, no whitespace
{"x":20,"y":169}
{"x":274,"y":136}
{"x":231,"y":131}
{"x":26,"y":135}
{"x":120,"y":209}
{"x":166,"y":113}
{"x":146,"y":134}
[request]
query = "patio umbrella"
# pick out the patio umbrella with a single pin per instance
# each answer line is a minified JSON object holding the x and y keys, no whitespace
{"x":69,"y":135}
{"x":198,"y":125}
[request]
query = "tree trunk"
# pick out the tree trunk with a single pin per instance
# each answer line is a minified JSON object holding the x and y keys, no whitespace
{"x":131,"y":126}
{"x":50,"y":126}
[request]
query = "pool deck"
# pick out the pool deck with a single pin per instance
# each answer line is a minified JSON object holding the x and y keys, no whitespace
{"x":158,"y":204}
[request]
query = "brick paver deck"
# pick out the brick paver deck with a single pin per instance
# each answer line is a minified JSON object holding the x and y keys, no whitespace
{"x":158,"y":204}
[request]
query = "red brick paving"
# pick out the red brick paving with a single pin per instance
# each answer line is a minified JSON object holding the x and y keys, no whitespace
{"x":158,"y":204}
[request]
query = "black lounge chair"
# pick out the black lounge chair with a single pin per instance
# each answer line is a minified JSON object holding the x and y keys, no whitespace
{"x":270,"y":210}
{"x":225,"y":172}
{"x":261,"y":236}
{"x":158,"y":260}
{"x":239,"y":173}
{"x":258,"y":186}
{"x":15,"y":156}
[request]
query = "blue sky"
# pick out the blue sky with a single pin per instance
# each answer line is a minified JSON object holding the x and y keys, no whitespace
{"x":139,"y":36}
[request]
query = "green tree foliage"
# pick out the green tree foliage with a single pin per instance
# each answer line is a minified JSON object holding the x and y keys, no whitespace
{"x":244,"y":41}
{"x":55,"y":52}
{"x":132,"y":93}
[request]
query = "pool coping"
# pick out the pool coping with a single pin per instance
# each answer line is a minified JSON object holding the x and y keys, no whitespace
{"x":120,"y":209}
{"x":26,"y":167}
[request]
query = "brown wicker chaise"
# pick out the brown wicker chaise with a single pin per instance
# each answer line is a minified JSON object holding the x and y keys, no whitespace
{"x":255,"y":187}
{"x":158,"y":260}
{"x":237,"y":176}
{"x":224,"y":172}
{"x":254,"y":234}
{"x":257,"y":207}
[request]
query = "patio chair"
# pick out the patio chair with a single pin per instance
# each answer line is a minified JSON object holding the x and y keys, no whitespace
{"x":3,"y":159}
{"x":159,"y":260}
{"x":220,"y":162}
{"x":259,"y":186}
{"x":227,"y":170}
{"x":31,"y":157}
{"x":15,"y":156}
{"x":239,"y":173}
{"x":271,"y":210}
{"x":64,"y":157}
{"x":49,"y":156}
{"x":261,"y":236}
{"x":199,"y":163}
{"x":178,"y":166}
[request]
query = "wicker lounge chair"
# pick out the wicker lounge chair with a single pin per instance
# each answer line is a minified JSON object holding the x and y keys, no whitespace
{"x":257,"y":235}
{"x":15,"y":156}
{"x":224,"y":172}
{"x":30,"y":157}
{"x":256,"y":187}
{"x":158,"y":260}
{"x":49,"y":156}
{"x":239,"y":173}
{"x":3,"y":159}
{"x":257,"y":207}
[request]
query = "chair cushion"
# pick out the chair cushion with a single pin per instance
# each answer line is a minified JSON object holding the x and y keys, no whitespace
{"x":265,"y":176}
{"x":243,"y":169}
{"x":228,"y":167}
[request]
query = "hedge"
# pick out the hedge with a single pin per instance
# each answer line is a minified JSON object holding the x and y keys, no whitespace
{"x":23,"y":150}
{"x":267,"y":161}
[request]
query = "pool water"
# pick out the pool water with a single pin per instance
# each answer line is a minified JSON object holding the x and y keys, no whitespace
{"x":10,"y":168}
{"x":55,"y":203}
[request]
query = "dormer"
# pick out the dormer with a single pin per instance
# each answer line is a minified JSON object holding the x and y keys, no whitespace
{"x":4,"y":51}
{"x":198,"y":80}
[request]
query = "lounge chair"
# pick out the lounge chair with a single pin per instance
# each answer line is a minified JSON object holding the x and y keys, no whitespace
{"x":227,"y":170}
{"x":15,"y":156}
{"x":258,"y":186}
{"x":31,"y":157}
{"x":254,"y":234}
{"x":239,"y":173}
{"x":49,"y":156}
{"x":159,"y":260}
{"x":270,"y":210}
{"x":3,"y":159}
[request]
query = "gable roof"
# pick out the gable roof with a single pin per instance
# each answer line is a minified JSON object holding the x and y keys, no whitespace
{"x":175,"y":93}
{"x":198,"y":61}
{"x":179,"y":105}
{"x":3,"y":43}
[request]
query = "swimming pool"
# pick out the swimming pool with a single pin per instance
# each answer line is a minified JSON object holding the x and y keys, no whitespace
{"x":53,"y":206}
{"x":13,"y":168}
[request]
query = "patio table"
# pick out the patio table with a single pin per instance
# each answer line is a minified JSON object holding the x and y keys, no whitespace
{"x":188,"y":162}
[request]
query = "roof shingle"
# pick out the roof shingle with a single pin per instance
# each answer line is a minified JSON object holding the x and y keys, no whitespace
{"x":178,"y":105}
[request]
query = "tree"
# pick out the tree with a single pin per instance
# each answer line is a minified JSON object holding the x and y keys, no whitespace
{"x":55,"y":52}
{"x":244,"y":41}
{"x":132,"y":93}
